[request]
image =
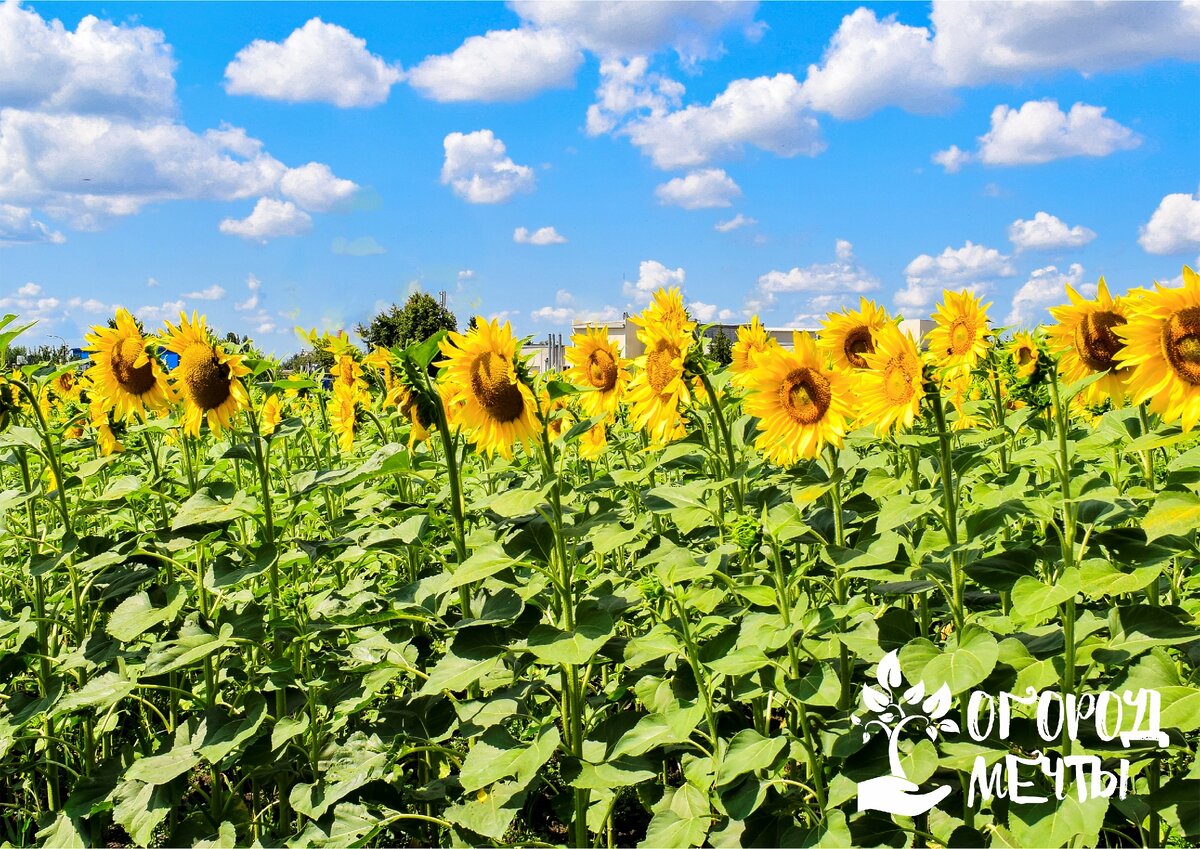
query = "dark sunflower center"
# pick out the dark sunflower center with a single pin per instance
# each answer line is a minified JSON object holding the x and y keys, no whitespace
{"x":1024,"y":356}
{"x":962,"y":336}
{"x":898,"y":381}
{"x":124,"y":354}
{"x":602,"y":370}
{"x":659,"y":369}
{"x":494,"y":388}
{"x":858,"y":342}
{"x":205,"y":376}
{"x":1181,"y":343}
{"x":1095,"y":342}
{"x":804,"y":394}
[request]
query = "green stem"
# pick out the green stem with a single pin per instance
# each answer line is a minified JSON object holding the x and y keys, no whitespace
{"x":726,"y":437}
{"x":1068,"y":549}
{"x":950,"y":508}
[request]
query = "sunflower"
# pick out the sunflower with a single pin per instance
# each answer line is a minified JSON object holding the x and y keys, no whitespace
{"x":801,"y":403}
{"x":65,"y":387}
{"x":1086,"y":338}
{"x":207,"y":377}
{"x":891,"y":389}
{"x":348,"y":372}
{"x":555,"y":414}
{"x":128,"y":379}
{"x":752,"y":340}
{"x":848,"y":335}
{"x":956,"y":385}
{"x":597,"y":365}
{"x":658,"y":389}
{"x":665,"y":309}
{"x":106,"y":440}
{"x":960,"y":337}
{"x":1024,"y":353}
{"x":1162,"y":347}
{"x":343,"y":414}
{"x":270,"y":415}
{"x":593,"y":443}
{"x":482,"y":391}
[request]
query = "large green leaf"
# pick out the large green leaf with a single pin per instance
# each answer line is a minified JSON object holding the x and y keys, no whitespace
{"x":497,"y":755}
{"x":1173,"y":512}
{"x":749,"y":751}
{"x":968,"y":659}
{"x":593,"y":628}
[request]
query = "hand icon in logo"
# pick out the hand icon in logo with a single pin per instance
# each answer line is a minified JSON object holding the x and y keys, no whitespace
{"x":893,"y":794}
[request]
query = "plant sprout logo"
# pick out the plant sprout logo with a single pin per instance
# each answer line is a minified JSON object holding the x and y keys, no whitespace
{"x":894,"y":793}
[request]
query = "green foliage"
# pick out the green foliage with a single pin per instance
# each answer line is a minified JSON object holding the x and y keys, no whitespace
{"x":720,"y":348}
{"x":421,"y":317}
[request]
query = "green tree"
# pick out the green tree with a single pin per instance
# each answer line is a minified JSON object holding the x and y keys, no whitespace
{"x":421,"y":317}
{"x":720,"y":348}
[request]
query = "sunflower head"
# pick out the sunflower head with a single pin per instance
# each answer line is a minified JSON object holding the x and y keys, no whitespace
{"x":270,"y":414}
{"x":1087,"y":338}
{"x":752,"y":340}
{"x":1162,"y":348}
{"x":106,"y":440}
{"x":891,"y":389}
{"x":801,"y":403}
{"x":598,"y":368}
{"x":593,"y":443}
{"x":665,"y":310}
{"x":659,"y":390}
{"x":847,"y":337}
{"x":959,"y":338}
{"x":482,"y":389}
{"x":208,"y":378}
{"x":1024,"y":352}
{"x":123,"y":374}
{"x":343,"y":415}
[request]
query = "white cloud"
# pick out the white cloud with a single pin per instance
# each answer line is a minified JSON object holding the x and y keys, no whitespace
{"x":972,"y":266}
{"x":708,"y":313}
{"x":1174,"y":228}
{"x":734,"y":223}
{"x":540,"y":236}
{"x":152,"y":313}
{"x":1039,"y":131}
{"x":89,"y":130}
{"x":90,"y":305}
{"x":19,"y":227}
{"x":270,"y":219}
{"x":362,"y":246}
{"x":652,"y":276}
{"x":622,"y":29}
{"x":251,"y":303}
{"x":152,"y":282}
{"x":503,"y":65}
{"x":29,"y":290}
{"x":314,"y":187}
{"x":765,"y":112}
{"x":29,"y":304}
{"x":870,"y":64}
{"x":479,"y":171}
{"x":1045,"y":286}
{"x":985,"y":42}
{"x":842,"y":276}
{"x":212,"y":293}
{"x":705,"y":189}
{"x":466,"y":274}
{"x":626,"y":88}
{"x":318,"y":62}
{"x":952,"y":159}
{"x":1046,"y":232}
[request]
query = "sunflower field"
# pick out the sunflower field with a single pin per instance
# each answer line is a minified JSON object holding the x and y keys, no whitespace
{"x":432,"y":599}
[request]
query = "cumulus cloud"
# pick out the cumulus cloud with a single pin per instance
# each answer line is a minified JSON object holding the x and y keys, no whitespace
{"x":270,"y":219}
{"x":1045,"y":232}
{"x":627,"y":88}
{"x":952,"y":159}
{"x":503,"y":65}
{"x":314,"y":187}
{"x":971,"y":267}
{"x":212,"y":293}
{"x":652,"y":275}
{"x":564,"y":311}
{"x":253,"y":284}
{"x":872,"y":63}
{"x":1039,"y":131}
{"x":765,"y":112}
{"x":362,"y":246}
{"x":708,"y":313}
{"x":19,"y":227}
{"x":839,"y":278}
{"x":731,"y":224}
{"x":615,"y":29}
{"x":540,"y":236}
{"x":1174,"y":228}
{"x":154,"y":313}
{"x":1045,"y":287}
{"x":479,"y":170}
{"x":319,"y":62}
{"x":705,"y":189}
{"x":90,"y":128}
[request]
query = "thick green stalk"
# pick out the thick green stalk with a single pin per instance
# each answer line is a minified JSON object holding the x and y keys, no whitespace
{"x":950,"y":509}
{"x":1068,"y":549}
{"x":725,"y":436}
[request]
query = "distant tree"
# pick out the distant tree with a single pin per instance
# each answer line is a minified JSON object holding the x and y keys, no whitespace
{"x":421,"y":317}
{"x":720,"y":348}
{"x":24,"y":355}
{"x":471,"y":324}
{"x":312,"y":359}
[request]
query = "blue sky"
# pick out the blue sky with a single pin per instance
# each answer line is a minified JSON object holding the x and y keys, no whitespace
{"x":281,"y":164}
